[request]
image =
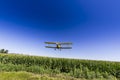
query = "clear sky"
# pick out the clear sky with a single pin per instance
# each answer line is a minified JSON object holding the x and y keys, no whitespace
{"x":92,"y":25}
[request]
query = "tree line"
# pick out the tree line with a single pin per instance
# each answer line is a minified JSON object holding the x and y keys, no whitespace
{"x":3,"y":51}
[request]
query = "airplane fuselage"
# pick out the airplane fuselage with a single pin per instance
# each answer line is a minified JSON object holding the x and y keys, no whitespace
{"x":58,"y":46}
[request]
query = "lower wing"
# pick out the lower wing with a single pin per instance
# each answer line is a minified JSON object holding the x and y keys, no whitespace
{"x":59,"y":48}
{"x":65,"y":47}
{"x":49,"y":47}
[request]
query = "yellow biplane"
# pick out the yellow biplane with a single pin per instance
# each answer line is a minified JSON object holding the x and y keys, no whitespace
{"x":59,"y":45}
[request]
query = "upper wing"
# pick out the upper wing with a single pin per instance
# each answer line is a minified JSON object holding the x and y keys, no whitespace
{"x":50,"y":42}
{"x":66,"y":43}
{"x":66,"y":47}
{"x":62,"y":43}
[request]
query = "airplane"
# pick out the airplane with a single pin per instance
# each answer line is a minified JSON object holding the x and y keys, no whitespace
{"x":58,"y":45}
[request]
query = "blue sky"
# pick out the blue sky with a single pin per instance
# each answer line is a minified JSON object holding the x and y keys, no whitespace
{"x":93,"y":26}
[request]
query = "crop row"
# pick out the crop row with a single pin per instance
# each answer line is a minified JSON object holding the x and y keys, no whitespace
{"x":62,"y":64}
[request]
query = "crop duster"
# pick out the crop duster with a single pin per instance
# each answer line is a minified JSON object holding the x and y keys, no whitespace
{"x":59,"y":45}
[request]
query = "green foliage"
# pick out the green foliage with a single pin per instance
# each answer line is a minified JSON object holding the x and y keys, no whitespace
{"x":88,"y":69}
{"x":3,"y":51}
{"x":17,"y":76}
{"x":22,"y":75}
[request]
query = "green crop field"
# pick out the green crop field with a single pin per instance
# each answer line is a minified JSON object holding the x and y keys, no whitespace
{"x":45,"y":68}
